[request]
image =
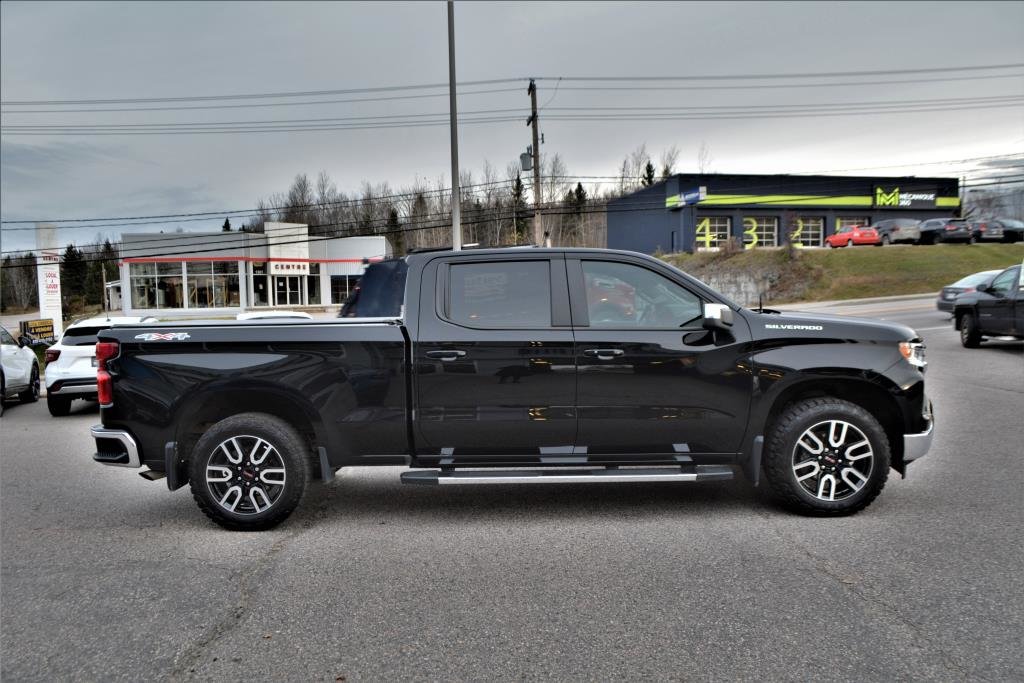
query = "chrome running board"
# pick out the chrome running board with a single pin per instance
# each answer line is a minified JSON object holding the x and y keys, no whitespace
{"x":590,"y":476}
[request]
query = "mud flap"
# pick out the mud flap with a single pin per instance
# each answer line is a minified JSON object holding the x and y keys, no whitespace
{"x":751,"y":465}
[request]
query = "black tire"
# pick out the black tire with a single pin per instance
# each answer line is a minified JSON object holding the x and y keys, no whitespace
{"x":849,"y":243}
{"x":31,"y":394}
{"x":292,"y":451}
{"x":970,"y":336}
{"x":781,"y":451}
{"x":59,"y":406}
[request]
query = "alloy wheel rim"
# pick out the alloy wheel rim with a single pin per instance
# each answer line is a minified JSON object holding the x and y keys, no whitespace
{"x":35,"y":384}
{"x":833,"y":460}
{"x":245,"y":475}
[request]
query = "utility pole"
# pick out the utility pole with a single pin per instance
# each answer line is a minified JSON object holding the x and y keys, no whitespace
{"x":538,"y":228}
{"x":453,"y":114}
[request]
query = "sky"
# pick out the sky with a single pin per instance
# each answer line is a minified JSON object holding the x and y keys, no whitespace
{"x":117,"y":51}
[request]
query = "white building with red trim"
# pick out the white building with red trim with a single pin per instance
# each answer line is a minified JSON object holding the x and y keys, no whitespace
{"x":216,"y":273}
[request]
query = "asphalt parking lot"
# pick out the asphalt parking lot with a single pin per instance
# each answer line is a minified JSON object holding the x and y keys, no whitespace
{"x":107,"y":576}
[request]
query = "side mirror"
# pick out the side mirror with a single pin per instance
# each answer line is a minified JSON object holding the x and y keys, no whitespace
{"x":24,"y":341}
{"x":717,"y":317}
{"x":981,"y":288}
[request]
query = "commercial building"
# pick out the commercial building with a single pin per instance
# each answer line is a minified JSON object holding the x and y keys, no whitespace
{"x":688,"y":212}
{"x":228,"y":272}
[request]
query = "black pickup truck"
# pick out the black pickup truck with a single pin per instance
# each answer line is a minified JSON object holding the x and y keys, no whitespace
{"x":509,"y":366}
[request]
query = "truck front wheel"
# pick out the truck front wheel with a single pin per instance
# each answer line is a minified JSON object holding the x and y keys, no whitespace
{"x":248,"y":472}
{"x":826,"y":456}
{"x":970,"y":337}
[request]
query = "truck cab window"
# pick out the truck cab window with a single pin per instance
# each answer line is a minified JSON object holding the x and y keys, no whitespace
{"x":624,"y":295}
{"x":500,"y":294}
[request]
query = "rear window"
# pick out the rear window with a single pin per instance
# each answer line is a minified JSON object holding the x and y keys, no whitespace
{"x":380,"y":292}
{"x":81,"y":336}
{"x":973,"y":280}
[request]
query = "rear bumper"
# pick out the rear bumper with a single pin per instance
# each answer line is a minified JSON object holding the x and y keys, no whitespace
{"x":916,"y":445}
{"x":71,"y":387}
{"x":944,"y":304}
{"x":115,"y":447}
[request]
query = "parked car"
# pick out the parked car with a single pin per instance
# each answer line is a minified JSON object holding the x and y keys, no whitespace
{"x":495,"y":366}
{"x":19,"y":369}
{"x":847,"y":236}
{"x":992,"y":310}
{"x":893,"y":230}
{"x":949,"y":293}
{"x":935,"y":230}
{"x":71,"y":362}
{"x":274,"y":315}
{"x":997,"y":230}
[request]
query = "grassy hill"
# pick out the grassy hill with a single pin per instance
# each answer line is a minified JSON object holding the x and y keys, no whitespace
{"x":850,"y":273}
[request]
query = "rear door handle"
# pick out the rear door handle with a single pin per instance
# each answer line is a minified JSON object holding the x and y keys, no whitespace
{"x":446,"y":354}
{"x":603,"y":354}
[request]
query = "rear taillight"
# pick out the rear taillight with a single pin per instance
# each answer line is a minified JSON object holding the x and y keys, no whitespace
{"x":982,"y":228}
{"x":105,"y":351}
{"x":52,"y":355}
{"x":950,"y":227}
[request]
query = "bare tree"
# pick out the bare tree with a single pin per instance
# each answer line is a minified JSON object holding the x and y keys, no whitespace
{"x":668,"y":161}
{"x":704,"y":158}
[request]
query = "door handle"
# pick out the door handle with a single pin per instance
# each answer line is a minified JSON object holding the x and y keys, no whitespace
{"x":603,"y":354}
{"x":446,"y":354}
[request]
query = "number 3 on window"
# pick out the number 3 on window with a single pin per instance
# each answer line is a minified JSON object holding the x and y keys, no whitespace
{"x":704,"y":233}
{"x":750,"y":234}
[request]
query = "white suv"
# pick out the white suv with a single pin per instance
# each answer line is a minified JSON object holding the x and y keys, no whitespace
{"x":19,"y":370}
{"x":71,"y":362}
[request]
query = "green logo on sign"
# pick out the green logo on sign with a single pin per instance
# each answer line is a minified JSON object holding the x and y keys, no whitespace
{"x":883,"y":198}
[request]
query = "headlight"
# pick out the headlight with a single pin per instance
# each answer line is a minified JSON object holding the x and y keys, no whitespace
{"x":913,"y":352}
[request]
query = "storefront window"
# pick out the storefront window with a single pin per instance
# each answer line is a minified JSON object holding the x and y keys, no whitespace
{"x":342,"y":286}
{"x":156,"y":285}
{"x":760,"y":231}
{"x":212,"y":284}
{"x":313,"y":284}
{"x":808,"y":231}
{"x":260,"y":288}
{"x":852,"y":221}
{"x":712,"y":231}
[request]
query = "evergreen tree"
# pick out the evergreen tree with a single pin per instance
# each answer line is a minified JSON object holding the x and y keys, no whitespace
{"x":227,"y":226}
{"x":108,"y":256}
{"x":579,"y":198}
{"x":519,"y":221}
{"x":395,"y":234}
{"x":648,"y":178}
{"x":73,"y":272}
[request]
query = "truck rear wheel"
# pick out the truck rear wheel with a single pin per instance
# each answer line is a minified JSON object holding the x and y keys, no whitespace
{"x":248,"y":472}
{"x":826,"y":456}
{"x":59,"y":406}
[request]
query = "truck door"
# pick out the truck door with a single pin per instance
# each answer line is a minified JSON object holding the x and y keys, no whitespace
{"x":651,"y":379}
{"x":996,"y":312}
{"x":494,"y":369}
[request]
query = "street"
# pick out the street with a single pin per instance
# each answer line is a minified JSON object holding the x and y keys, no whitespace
{"x":108,"y":576}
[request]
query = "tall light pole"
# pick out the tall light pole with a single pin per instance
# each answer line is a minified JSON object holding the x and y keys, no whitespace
{"x":453,"y":114}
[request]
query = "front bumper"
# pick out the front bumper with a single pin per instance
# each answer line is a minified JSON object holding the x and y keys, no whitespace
{"x":115,"y":447}
{"x":916,"y":445}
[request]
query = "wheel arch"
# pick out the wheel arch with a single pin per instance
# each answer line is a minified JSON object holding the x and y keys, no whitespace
{"x":205,"y":410}
{"x":868,"y":395}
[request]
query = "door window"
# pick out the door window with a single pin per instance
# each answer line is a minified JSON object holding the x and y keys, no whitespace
{"x":622,"y":295}
{"x":6,"y":337}
{"x":500,"y":294}
{"x":1004,"y":282}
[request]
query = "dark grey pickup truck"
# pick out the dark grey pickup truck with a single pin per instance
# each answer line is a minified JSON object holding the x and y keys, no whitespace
{"x":516,"y":366}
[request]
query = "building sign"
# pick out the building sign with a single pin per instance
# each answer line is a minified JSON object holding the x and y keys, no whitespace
{"x":38,"y":329}
{"x":48,"y":275}
{"x":688,"y":198}
{"x":895,"y":198}
{"x":288,"y":248}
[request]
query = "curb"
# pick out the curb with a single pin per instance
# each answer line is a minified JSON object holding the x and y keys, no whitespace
{"x":869,"y":300}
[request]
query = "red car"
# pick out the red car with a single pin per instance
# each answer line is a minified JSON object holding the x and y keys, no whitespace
{"x":851,"y":235}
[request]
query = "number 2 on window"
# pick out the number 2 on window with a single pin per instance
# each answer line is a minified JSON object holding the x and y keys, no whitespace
{"x":794,"y":237}
{"x":750,"y":234}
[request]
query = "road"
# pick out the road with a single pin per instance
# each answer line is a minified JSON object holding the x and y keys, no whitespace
{"x":107,"y":576}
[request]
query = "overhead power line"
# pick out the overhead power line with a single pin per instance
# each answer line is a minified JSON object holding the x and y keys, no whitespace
{"x":778,"y":76}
